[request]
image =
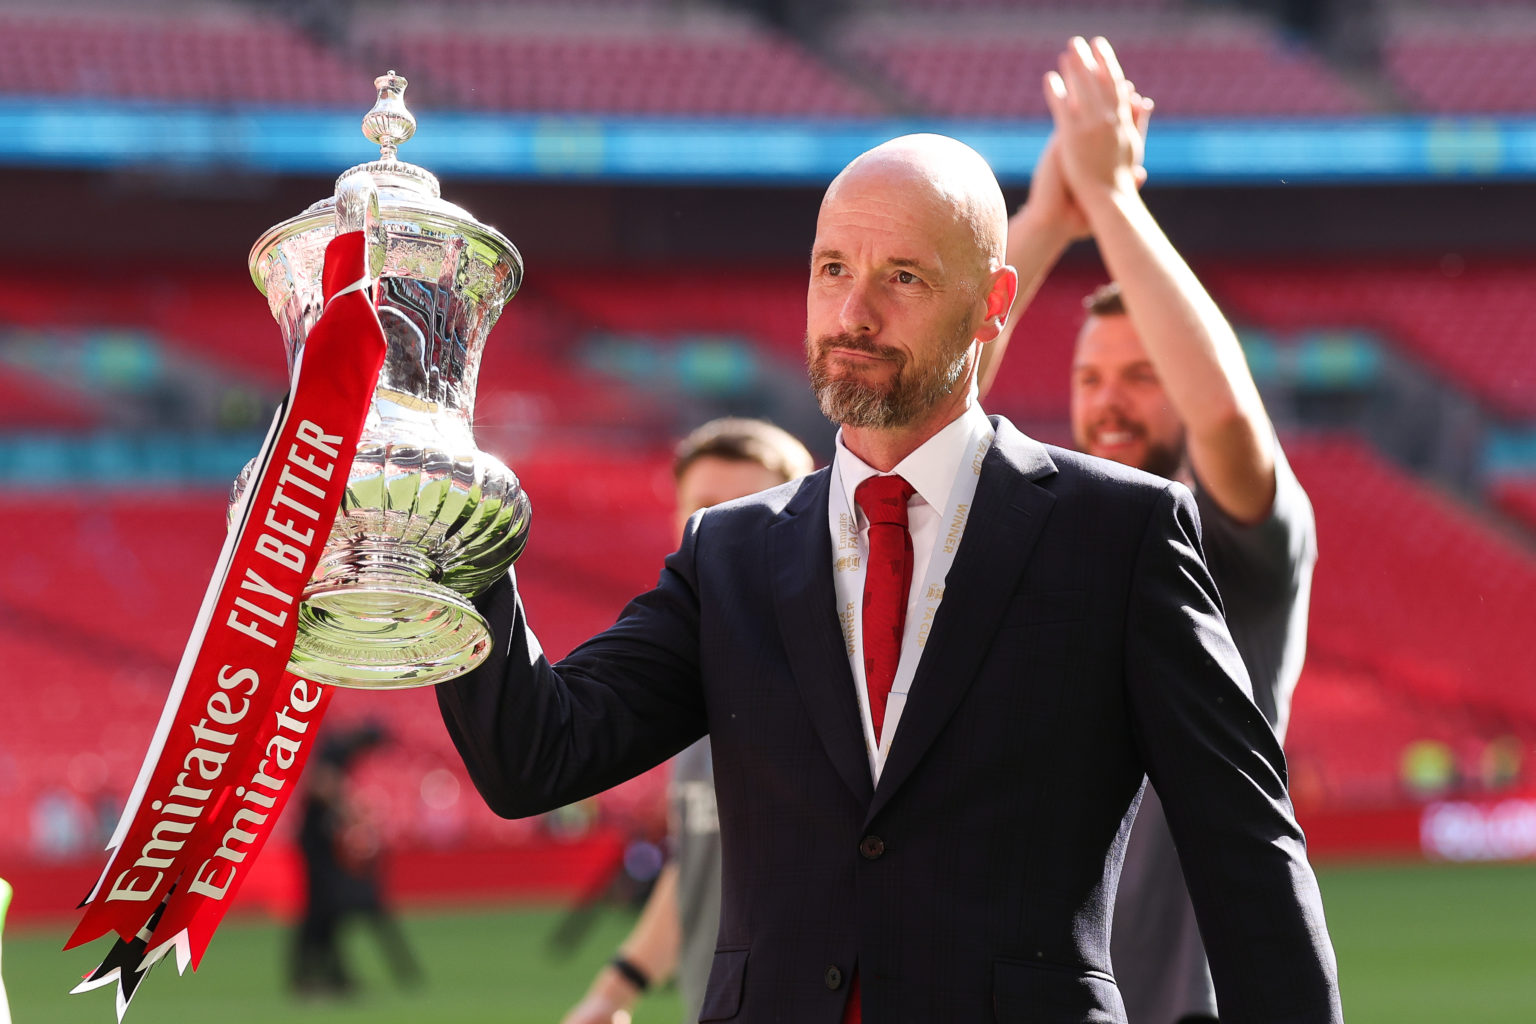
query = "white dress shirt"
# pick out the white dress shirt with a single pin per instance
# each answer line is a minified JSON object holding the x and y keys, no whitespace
{"x":931,"y":470}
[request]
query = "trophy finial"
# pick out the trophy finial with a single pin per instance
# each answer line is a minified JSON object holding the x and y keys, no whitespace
{"x":389,"y":124}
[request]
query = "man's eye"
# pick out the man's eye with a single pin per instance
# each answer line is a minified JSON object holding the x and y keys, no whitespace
{"x":832,"y":269}
{"x":907,"y":277}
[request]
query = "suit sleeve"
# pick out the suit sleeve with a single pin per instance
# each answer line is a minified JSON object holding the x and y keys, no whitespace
{"x":1221,"y":776}
{"x":536,"y":736}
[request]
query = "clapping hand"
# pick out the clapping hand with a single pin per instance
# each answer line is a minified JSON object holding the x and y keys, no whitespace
{"x":1099,"y":138}
{"x":1100,"y":119}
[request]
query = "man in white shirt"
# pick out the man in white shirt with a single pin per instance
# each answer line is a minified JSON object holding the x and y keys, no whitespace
{"x":924,"y":797}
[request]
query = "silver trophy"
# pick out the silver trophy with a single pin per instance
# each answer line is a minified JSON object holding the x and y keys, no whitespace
{"x":428,"y":520}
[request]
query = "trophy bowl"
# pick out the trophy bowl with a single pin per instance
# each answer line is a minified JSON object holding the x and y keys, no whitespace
{"x":428,"y":520}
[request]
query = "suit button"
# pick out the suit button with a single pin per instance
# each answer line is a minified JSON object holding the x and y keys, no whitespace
{"x":871,"y":847}
{"x":833,"y":977}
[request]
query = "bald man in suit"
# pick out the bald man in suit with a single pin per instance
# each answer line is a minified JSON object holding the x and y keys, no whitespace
{"x":924,"y":820}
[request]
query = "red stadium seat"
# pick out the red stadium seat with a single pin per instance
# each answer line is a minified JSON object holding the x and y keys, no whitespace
{"x":1415,"y":589}
{"x":1470,"y":322}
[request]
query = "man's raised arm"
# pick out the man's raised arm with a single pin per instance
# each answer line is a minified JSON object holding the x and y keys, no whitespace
{"x":1190,"y":345}
{"x":1042,"y":229}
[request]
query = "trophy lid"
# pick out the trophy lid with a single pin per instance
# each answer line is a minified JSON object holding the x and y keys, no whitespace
{"x":387,"y":125}
{"x":409,"y":197}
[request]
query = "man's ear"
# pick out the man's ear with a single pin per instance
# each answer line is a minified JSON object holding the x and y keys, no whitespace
{"x":1003,"y":285}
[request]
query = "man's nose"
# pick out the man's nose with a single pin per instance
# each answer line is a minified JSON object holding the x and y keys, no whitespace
{"x":859,"y":315}
{"x":1109,"y":396}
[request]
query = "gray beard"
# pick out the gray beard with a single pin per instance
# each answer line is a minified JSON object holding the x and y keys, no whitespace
{"x":852,"y":403}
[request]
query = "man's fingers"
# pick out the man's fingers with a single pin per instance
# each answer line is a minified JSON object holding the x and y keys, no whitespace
{"x":1141,"y":112}
{"x":1078,"y":68}
{"x":1055,"y":96}
{"x":1084,"y":52}
{"x":1105,"y":55}
{"x":1108,"y":74}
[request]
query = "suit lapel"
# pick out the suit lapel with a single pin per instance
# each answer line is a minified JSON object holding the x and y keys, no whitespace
{"x":806,"y":604}
{"x":1007,"y":515}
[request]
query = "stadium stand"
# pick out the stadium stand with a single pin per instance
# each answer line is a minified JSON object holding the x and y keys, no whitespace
{"x":1416,"y":588}
{"x":1426,"y":54}
{"x":223,"y":53}
{"x":1009,"y":6}
{"x":1349,"y":732}
{"x":30,"y":402}
{"x":944,"y":57}
{"x":1469,"y":321}
{"x":1232,"y":67}
{"x":1433,"y":659}
{"x":708,"y":63}
{"x":212,"y":316}
{"x":601,"y":532}
{"x":1517,"y":497}
{"x":766,"y":305}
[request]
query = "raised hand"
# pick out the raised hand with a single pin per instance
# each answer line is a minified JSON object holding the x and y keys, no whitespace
{"x":1055,"y":214}
{"x":1100,"y":120}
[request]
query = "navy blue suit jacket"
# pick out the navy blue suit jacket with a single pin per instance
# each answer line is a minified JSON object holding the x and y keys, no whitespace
{"x":1080,"y":644}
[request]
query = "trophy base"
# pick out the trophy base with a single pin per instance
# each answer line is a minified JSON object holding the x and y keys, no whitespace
{"x":387,"y":635}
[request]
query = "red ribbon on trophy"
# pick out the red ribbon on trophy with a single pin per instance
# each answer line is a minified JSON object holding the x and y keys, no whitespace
{"x":238,"y":726}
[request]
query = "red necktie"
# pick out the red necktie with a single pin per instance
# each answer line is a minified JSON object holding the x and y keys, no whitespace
{"x":887,"y":578}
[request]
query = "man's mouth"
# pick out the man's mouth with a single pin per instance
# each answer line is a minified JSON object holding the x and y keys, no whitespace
{"x":856,"y":356}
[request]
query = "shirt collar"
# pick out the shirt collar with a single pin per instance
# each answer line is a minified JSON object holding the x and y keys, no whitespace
{"x":930,"y":469}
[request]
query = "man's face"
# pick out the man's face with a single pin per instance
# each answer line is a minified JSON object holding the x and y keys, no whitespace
{"x":709,"y":480}
{"x":1119,"y":408}
{"x":896,"y":295}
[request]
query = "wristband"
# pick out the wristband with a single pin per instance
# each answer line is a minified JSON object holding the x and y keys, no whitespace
{"x":632,"y":974}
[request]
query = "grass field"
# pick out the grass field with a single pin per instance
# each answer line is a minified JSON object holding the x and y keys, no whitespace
{"x":1415,"y":944}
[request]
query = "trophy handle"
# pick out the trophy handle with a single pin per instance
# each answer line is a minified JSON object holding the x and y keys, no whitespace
{"x":357,"y":209}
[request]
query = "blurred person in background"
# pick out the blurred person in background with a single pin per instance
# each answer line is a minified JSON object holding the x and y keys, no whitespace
{"x":1159,"y":382}
{"x":721,"y":460}
{"x":342,"y":849}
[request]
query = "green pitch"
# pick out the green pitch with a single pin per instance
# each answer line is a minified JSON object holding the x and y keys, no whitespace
{"x":1415,"y":944}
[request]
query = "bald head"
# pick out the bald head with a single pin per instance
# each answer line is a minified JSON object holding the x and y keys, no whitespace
{"x":944,"y":174}
{"x":908,"y":280}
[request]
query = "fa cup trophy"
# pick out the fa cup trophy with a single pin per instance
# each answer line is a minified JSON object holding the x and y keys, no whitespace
{"x":428,"y":520}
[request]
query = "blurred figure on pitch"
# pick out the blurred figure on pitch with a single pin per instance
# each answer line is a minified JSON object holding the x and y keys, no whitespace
{"x":721,"y":460}
{"x":1159,"y":382}
{"x":343,"y":850}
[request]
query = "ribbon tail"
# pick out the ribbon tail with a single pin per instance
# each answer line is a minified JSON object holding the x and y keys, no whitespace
{"x":125,"y":965}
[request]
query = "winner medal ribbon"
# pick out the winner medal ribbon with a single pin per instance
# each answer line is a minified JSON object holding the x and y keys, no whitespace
{"x":237,"y":726}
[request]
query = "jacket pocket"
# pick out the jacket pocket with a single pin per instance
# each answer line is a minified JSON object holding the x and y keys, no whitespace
{"x":1039,"y":993}
{"x":722,"y":994}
